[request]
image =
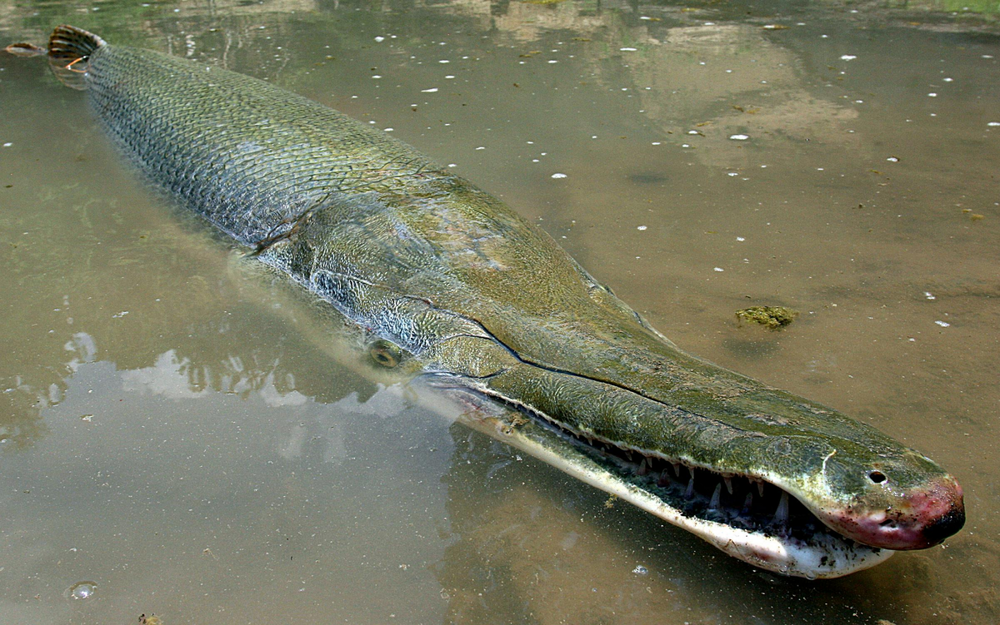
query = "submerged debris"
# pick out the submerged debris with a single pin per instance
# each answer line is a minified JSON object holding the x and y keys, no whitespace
{"x":773,"y":317}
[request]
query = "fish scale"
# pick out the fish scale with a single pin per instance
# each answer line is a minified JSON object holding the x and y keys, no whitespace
{"x":239,"y":151}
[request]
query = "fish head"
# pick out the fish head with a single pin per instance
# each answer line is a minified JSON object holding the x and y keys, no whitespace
{"x":768,"y":477}
{"x":894,"y":499}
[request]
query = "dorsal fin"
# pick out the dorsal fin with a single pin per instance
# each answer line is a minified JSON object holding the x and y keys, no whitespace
{"x":69,"y":54}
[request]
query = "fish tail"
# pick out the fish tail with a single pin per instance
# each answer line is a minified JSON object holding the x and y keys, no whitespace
{"x":70,"y":49}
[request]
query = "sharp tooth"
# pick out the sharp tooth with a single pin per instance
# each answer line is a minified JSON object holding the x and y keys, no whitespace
{"x":729,"y":484}
{"x":677,"y":469}
{"x":643,"y":469}
{"x":748,"y":502}
{"x":781,"y":514}
{"x":715,"y":497}
{"x":760,"y":488}
{"x":690,"y":488}
{"x":664,"y":478}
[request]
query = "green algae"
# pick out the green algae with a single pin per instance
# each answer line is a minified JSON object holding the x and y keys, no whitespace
{"x":773,"y":317}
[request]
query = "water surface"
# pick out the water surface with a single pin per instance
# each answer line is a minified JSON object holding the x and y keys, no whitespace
{"x":178,"y":434}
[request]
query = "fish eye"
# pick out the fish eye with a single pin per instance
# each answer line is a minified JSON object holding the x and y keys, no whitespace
{"x":877,"y":477}
{"x":385,"y":353}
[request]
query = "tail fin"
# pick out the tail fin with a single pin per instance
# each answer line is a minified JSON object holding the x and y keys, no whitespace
{"x":69,"y":54}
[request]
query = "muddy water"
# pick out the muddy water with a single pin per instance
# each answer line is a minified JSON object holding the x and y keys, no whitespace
{"x":177,"y":435}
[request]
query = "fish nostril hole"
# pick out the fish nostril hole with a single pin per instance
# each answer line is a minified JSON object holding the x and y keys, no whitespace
{"x":877,"y":476}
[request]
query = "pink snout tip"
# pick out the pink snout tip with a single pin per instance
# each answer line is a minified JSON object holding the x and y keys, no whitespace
{"x":923,"y":519}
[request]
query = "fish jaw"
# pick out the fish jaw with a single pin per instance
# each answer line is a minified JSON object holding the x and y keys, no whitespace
{"x":824,"y":555}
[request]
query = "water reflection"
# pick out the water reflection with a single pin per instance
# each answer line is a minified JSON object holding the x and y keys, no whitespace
{"x":234,"y":467}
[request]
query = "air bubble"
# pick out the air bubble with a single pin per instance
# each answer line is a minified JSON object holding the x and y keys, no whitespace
{"x":82,"y":590}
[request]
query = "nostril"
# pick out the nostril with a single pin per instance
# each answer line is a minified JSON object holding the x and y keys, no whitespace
{"x":877,"y":476}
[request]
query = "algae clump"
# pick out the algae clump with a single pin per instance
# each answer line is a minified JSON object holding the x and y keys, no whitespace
{"x":773,"y":317}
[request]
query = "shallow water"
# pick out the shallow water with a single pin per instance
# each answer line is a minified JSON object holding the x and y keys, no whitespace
{"x":176,"y":435}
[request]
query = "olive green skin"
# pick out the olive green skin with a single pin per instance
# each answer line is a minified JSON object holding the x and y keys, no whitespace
{"x":476,"y":297}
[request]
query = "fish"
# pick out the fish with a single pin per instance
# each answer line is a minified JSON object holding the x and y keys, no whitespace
{"x":449,"y":287}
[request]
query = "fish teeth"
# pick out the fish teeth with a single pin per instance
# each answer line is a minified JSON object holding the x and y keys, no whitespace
{"x":781,"y":514}
{"x":677,"y":469}
{"x":643,"y":468}
{"x":729,"y":484}
{"x":760,"y":488}
{"x":664,"y":479}
{"x":690,"y":487}
{"x":716,"y":496}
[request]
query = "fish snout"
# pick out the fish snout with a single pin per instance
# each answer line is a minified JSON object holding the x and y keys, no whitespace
{"x":940,"y":512}
{"x":918,"y":519}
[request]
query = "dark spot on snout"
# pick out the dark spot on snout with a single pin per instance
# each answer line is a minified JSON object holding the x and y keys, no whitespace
{"x":946,"y":525}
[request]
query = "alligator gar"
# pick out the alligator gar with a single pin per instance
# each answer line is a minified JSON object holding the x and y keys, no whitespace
{"x":452,"y":287}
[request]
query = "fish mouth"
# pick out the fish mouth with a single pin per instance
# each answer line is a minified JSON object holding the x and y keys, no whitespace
{"x":748,"y":517}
